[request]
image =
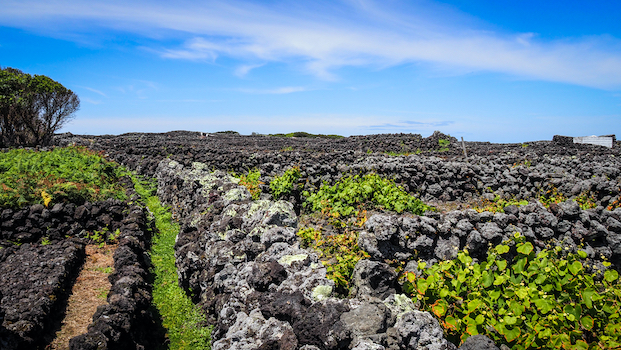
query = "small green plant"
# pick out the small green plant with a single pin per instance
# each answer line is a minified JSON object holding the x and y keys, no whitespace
{"x":107,"y":270}
{"x":45,"y":241}
{"x":444,"y":145}
{"x":283,"y":185}
{"x":102,"y":293}
{"x":98,"y":236}
{"x":403,"y":153}
{"x":287,"y":149}
{"x":351,"y":195}
{"x":251,"y":182}
{"x":339,"y":253}
{"x":521,"y":298}
{"x":586,"y":201}
{"x":550,"y":196}
{"x":498,"y":204}
{"x":527,"y":163}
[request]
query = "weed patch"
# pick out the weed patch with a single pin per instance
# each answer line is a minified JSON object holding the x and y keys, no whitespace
{"x":339,"y":253}
{"x":71,"y":174}
{"x":498,"y":204}
{"x":251,"y":182}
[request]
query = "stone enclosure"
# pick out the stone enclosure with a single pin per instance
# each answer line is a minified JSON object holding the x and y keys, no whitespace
{"x":243,"y":262}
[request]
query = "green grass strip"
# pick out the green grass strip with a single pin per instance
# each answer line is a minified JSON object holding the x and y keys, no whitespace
{"x":184,"y":321}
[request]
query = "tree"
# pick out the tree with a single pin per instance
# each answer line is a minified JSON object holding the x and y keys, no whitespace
{"x":32,"y":108}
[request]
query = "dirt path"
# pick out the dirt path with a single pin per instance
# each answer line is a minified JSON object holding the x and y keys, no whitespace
{"x":88,"y":292}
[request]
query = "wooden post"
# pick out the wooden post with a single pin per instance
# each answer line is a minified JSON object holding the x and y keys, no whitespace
{"x":463,"y":146}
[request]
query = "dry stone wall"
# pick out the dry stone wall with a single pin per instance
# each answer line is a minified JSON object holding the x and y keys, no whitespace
{"x":243,"y":262}
{"x":42,"y":253}
{"x":241,"y":259}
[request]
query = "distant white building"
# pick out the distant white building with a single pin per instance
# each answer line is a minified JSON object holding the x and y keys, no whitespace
{"x":606,"y":140}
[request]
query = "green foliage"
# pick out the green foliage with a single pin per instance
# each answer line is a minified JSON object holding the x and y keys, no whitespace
{"x":586,"y":201}
{"x":444,"y":145}
{"x":283,"y":185}
{"x":103,"y":236}
{"x":45,"y":241}
{"x":498,"y":204}
{"x":32,"y":108}
{"x":339,"y":253}
{"x":251,"y":182}
{"x":403,"y":153}
{"x":102,"y":293}
{"x":107,"y":270}
{"x":185,"y":322}
{"x":352,"y":194}
{"x":529,"y":301}
{"x":550,"y":196}
{"x":71,"y":174}
{"x":527,"y":163}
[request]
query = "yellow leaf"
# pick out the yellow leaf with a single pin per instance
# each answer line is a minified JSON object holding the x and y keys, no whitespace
{"x":46,"y":198}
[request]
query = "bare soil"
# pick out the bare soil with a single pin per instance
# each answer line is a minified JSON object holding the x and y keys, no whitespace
{"x":89,"y":291}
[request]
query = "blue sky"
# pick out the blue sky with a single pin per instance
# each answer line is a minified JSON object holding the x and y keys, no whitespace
{"x":500,"y":71}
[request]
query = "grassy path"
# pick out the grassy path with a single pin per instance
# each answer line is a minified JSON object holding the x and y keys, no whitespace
{"x":184,"y":321}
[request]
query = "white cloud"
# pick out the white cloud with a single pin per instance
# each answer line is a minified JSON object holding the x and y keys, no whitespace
{"x":324,"y":36}
{"x":94,"y":90}
{"x":243,"y":70}
{"x":276,"y":91}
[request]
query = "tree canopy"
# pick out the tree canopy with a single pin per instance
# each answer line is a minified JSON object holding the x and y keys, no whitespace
{"x":32,"y":108}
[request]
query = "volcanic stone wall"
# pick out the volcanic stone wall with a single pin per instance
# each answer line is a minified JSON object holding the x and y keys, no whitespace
{"x":439,"y":237}
{"x":42,"y":253}
{"x":129,"y":320}
{"x":520,"y":171}
{"x":243,"y":262}
{"x":34,"y":282}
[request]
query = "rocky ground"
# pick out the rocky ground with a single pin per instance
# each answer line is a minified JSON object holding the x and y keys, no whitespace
{"x":244,"y":264}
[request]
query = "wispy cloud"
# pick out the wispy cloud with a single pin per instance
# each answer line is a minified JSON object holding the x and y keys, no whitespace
{"x":94,"y":90}
{"x":276,"y":91}
{"x":243,"y":70}
{"x":324,"y":36}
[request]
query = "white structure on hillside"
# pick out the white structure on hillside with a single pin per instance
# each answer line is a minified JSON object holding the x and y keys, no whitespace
{"x":606,"y":140}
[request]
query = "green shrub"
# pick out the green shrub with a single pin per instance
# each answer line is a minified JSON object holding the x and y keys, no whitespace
{"x":444,"y":145}
{"x":352,"y":194}
{"x":339,"y":253}
{"x":498,"y":204}
{"x":71,"y":174}
{"x":251,"y":182}
{"x":283,"y":185}
{"x":531,"y":301}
